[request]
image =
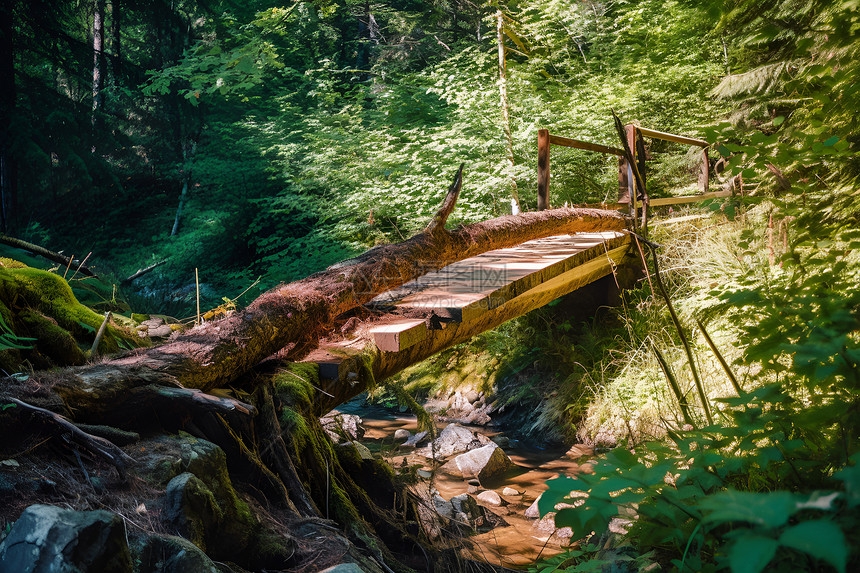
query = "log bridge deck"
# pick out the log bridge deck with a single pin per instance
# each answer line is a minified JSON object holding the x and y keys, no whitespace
{"x":463,"y":299}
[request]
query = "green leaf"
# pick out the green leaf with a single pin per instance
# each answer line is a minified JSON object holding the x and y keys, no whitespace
{"x":752,"y":553}
{"x":770,"y":509}
{"x":777,"y":121}
{"x":821,"y":539}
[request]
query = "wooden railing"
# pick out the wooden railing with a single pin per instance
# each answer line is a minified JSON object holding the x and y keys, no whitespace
{"x":626,"y":185}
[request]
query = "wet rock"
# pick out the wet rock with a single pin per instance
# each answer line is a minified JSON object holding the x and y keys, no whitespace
{"x":466,"y":509}
{"x":402,"y":434}
{"x":342,"y":427}
{"x":472,"y":489}
{"x":48,"y":539}
{"x":532,"y":512}
{"x":171,"y":554}
{"x":482,"y":463}
{"x":415,"y":439}
{"x":461,"y":508}
{"x":454,"y":439}
{"x":510,"y":492}
{"x":443,"y":506}
{"x":489,"y":498}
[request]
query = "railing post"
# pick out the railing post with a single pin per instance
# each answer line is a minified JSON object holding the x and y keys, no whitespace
{"x":623,"y":190}
{"x":630,"y":131}
{"x":704,"y":180}
{"x":543,"y":170}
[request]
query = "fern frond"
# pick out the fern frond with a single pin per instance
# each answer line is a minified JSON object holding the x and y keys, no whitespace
{"x":759,"y":80}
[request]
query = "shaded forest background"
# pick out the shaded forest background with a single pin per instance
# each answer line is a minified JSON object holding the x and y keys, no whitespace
{"x":263,"y":139}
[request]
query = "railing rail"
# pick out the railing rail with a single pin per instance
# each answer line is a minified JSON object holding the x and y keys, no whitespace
{"x":545,"y":140}
{"x":626,"y":190}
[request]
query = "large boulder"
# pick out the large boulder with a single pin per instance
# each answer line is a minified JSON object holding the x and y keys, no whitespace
{"x":454,"y":439}
{"x":199,"y":502}
{"x":483,"y":463}
{"x":49,"y":539}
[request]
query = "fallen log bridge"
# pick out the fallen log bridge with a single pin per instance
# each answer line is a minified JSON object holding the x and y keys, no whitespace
{"x":291,"y":320}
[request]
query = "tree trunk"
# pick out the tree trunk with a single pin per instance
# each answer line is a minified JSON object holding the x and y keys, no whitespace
{"x":98,"y":63}
{"x":116,"y":39}
{"x":506,"y":118}
{"x":296,"y":315}
{"x":187,"y":159}
{"x":8,"y":191}
{"x":368,"y":34}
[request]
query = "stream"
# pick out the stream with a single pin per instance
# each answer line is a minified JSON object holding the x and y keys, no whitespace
{"x":523,"y":540}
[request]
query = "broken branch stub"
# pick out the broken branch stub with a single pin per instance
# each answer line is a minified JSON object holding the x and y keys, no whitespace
{"x":448,"y":204}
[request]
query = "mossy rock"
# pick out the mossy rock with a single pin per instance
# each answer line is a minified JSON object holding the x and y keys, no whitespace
{"x":169,"y":457}
{"x":43,"y":304}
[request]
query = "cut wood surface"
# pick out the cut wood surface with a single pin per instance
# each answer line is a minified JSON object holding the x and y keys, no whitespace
{"x":348,"y":366}
{"x":466,"y":289}
{"x":399,"y":334}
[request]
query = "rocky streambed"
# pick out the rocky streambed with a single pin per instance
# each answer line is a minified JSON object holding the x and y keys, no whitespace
{"x":480,"y":483}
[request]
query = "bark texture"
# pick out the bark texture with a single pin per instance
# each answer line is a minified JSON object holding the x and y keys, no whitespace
{"x":292,"y":316}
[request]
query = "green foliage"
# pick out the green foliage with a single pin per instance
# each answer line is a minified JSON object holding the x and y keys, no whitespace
{"x":773,"y":485}
{"x":11,"y":341}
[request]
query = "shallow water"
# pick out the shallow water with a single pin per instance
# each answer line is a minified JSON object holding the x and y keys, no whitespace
{"x":517,"y":544}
